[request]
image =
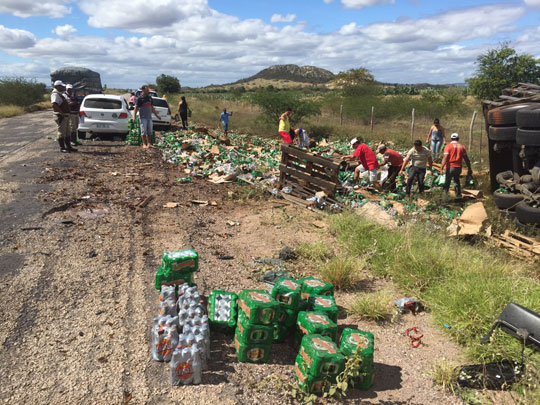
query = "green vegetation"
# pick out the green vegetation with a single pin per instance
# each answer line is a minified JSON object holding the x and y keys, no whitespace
{"x":373,"y":306}
{"x":316,"y":251}
{"x":343,"y":272}
{"x":500,"y":68}
{"x":463,"y":286}
{"x":354,"y":77}
{"x":21,"y":92}
{"x":273,"y":104}
{"x":167,"y":84}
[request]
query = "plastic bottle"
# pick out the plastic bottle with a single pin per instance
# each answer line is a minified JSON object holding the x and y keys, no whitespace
{"x":168,"y":307}
{"x":186,"y":366}
{"x":164,"y":337}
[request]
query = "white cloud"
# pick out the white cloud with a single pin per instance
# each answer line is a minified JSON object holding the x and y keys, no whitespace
{"x":64,"y":31}
{"x":31,"y":8}
{"x":278,"y":18}
{"x":211,"y":47}
{"x":141,"y":14}
{"x":360,"y":4}
{"x":15,"y":39}
{"x":533,"y":3}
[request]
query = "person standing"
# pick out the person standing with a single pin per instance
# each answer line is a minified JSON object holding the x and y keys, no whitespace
{"x":224,"y":117}
{"x":74,"y":107}
{"x":368,"y":161}
{"x":420,"y":157}
{"x":145,"y":109}
{"x":437,"y":137}
{"x":183,"y":111}
{"x":302,"y":137}
{"x":394,"y":161}
{"x":285,"y":126}
{"x":60,"y":105}
{"x":454,"y":154}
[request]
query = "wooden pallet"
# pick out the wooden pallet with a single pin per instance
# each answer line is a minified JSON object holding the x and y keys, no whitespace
{"x":518,"y":245}
{"x":307,"y":173}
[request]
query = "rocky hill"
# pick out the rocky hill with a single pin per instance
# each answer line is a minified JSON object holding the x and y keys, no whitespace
{"x":293,"y":73}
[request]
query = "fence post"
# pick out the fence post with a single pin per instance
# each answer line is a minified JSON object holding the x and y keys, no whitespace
{"x":372,"y":113}
{"x":412,"y":126}
{"x":480,"y":147}
{"x":341,"y":114}
{"x":471,"y":130}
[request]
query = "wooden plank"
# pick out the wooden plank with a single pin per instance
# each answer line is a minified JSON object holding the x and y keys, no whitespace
{"x":324,"y":184}
{"x":294,"y":151}
{"x":324,"y":171}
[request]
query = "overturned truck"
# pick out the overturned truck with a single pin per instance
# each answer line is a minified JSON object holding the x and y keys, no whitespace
{"x":513,"y":127}
{"x":84,"y":81}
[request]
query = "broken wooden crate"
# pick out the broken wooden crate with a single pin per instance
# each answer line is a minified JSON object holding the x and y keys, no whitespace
{"x":518,"y":245}
{"x":307,"y":174}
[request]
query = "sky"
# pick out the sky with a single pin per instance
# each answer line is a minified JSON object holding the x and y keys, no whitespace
{"x":206,"y":42}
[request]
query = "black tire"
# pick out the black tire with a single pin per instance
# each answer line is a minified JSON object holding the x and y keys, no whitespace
{"x":527,"y":214}
{"x":505,"y":201}
{"x":526,"y":178}
{"x":505,"y":115}
{"x":81,"y":134}
{"x":529,"y":117}
{"x":499,"y":134}
{"x":528,"y":137}
{"x":511,"y":214}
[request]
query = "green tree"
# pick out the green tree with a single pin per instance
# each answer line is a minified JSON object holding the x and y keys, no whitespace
{"x":274,"y":103}
{"x":500,"y":68}
{"x":20,"y":91}
{"x":167,"y":84}
{"x":354,"y":77}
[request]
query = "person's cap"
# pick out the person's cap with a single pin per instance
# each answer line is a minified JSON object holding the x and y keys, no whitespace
{"x":381,"y":147}
{"x":454,"y":136}
{"x":353,"y":141}
{"x":69,"y":86}
{"x":59,"y":83}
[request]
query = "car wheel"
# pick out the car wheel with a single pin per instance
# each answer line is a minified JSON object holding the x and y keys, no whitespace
{"x":528,"y":137}
{"x":502,"y":133}
{"x":81,"y":134}
{"x":505,"y":115}
{"x":505,"y":201}
{"x":527,"y":214}
{"x":529,"y":117}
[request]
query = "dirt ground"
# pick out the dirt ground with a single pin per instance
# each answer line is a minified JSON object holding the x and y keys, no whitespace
{"x":78,"y":254}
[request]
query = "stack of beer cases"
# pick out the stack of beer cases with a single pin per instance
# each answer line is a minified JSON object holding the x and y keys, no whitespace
{"x":223,"y":308}
{"x":254,"y":333}
{"x":310,"y":323}
{"x":177,"y":268}
{"x":318,"y":363}
{"x":325,"y":305}
{"x":362,"y":343}
{"x":286,"y":292}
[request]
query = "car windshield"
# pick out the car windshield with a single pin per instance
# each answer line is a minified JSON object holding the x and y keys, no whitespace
{"x":159,"y":102}
{"x":103,"y":103}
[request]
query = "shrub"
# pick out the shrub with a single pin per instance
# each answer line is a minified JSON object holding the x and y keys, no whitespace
{"x":21,"y":92}
{"x":343,"y":272}
{"x":372,"y":306}
{"x":274,"y":103}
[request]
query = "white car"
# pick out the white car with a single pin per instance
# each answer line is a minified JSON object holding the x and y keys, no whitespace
{"x":103,"y":113}
{"x":162,"y":108}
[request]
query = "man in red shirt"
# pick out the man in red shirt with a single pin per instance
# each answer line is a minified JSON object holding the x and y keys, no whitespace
{"x":454,"y":153}
{"x":367,"y":158}
{"x":394,"y":160}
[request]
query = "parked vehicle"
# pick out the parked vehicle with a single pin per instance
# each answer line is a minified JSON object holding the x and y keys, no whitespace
{"x":164,"y":111}
{"x":162,"y":108}
{"x":153,"y":93}
{"x":101,"y":113}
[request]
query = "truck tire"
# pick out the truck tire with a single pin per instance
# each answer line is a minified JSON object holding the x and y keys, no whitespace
{"x":502,"y":133}
{"x":505,"y":201}
{"x":505,"y":115}
{"x":527,"y":214}
{"x":528,"y":137}
{"x":529,"y":117}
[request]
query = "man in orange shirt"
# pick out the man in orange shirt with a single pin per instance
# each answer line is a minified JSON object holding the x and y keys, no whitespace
{"x":454,"y":154}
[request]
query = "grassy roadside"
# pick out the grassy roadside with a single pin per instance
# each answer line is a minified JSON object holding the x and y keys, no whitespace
{"x":7,"y":111}
{"x":463,"y":286}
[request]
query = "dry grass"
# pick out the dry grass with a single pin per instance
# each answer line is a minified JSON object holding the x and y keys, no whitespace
{"x":375,"y":306}
{"x":7,"y":111}
{"x":342,"y":272}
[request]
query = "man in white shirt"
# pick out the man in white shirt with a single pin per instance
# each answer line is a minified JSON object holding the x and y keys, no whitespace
{"x":61,"y":109}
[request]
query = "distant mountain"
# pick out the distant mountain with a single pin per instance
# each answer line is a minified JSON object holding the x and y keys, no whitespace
{"x":293,"y":73}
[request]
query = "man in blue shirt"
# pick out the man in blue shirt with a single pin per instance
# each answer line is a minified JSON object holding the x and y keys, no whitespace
{"x":225,"y":120}
{"x":145,"y":108}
